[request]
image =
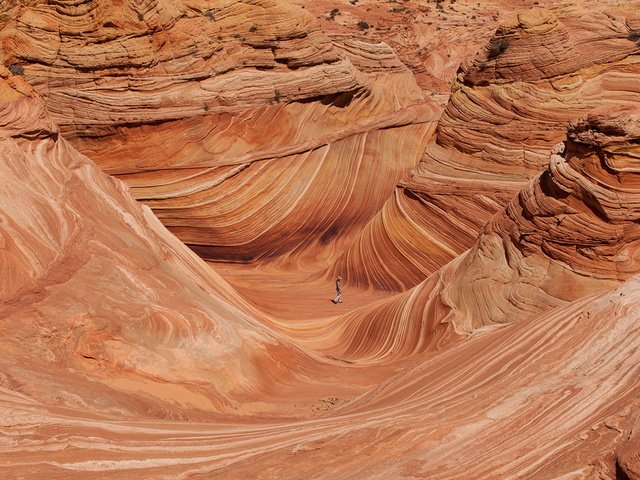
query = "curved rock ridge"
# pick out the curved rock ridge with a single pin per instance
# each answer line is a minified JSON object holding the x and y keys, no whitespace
{"x":534,"y":45}
{"x":388,"y":330}
{"x":102,"y":308}
{"x":164,"y":60}
{"x":567,"y":379}
{"x":418,"y":232}
{"x":296,"y":212}
{"x":570,"y":232}
{"x":217,"y":95}
{"x":401,"y":246}
{"x":286,"y":206}
{"x":497,"y":109}
{"x":191,"y":190}
{"x":496,"y":133}
{"x":367,"y":55}
{"x":515,"y":364}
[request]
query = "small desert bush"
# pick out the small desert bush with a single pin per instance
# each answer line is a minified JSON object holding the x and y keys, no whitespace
{"x":16,"y":69}
{"x":497,"y":48}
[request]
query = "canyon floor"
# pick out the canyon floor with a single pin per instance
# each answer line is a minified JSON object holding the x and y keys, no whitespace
{"x":182,"y":181}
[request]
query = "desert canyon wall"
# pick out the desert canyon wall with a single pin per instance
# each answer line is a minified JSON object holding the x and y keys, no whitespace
{"x":182,"y":180}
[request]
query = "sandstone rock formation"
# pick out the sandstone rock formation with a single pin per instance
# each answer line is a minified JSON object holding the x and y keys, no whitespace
{"x":489,"y":247}
{"x":566,"y":380}
{"x":505,"y":114}
{"x":188,"y":119}
{"x":97,"y":295}
{"x":572,"y":231}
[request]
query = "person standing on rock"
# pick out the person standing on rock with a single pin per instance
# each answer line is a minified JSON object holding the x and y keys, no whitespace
{"x":338,"y":298}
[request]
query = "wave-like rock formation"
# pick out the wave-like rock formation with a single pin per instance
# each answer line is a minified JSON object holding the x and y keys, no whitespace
{"x":572,"y":231}
{"x":201,"y":107}
{"x":165,"y":60}
{"x":546,"y":398}
{"x":102,"y":308}
{"x":491,"y":272}
{"x":509,"y":106}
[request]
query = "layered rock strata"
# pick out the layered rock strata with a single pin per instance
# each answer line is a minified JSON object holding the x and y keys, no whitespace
{"x":189,"y":101}
{"x":510,"y":350}
{"x":508,"y":107}
{"x":102,"y":309}
{"x":551,"y":397}
{"x":571,"y":231}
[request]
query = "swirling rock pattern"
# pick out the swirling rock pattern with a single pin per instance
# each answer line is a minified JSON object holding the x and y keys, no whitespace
{"x":164,"y":60}
{"x":491,"y":291}
{"x":566,"y":380}
{"x":509,"y":106}
{"x":98,"y":295}
{"x":571,"y":231}
{"x":190,"y":117}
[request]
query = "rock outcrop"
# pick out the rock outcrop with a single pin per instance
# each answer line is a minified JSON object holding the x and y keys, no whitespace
{"x":102,"y":309}
{"x":627,"y":458}
{"x":490,"y":261}
{"x":189,"y":102}
{"x":545,"y":398}
{"x":573,"y":230}
{"x":509,"y":107}
{"x":141,"y":63}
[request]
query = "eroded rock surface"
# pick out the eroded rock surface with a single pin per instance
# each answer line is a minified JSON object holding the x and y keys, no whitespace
{"x":489,"y":246}
{"x":102,"y":308}
{"x":190,"y":102}
{"x":509,"y":106}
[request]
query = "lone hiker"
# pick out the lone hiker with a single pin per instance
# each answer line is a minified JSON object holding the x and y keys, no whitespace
{"x":338,"y":298}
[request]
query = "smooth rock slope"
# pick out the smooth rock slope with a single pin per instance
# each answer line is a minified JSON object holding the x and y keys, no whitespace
{"x":102,"y":308}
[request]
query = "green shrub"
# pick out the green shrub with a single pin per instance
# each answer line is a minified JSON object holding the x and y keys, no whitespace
{"x":497,"y":48}
{"x":16,"y":69}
